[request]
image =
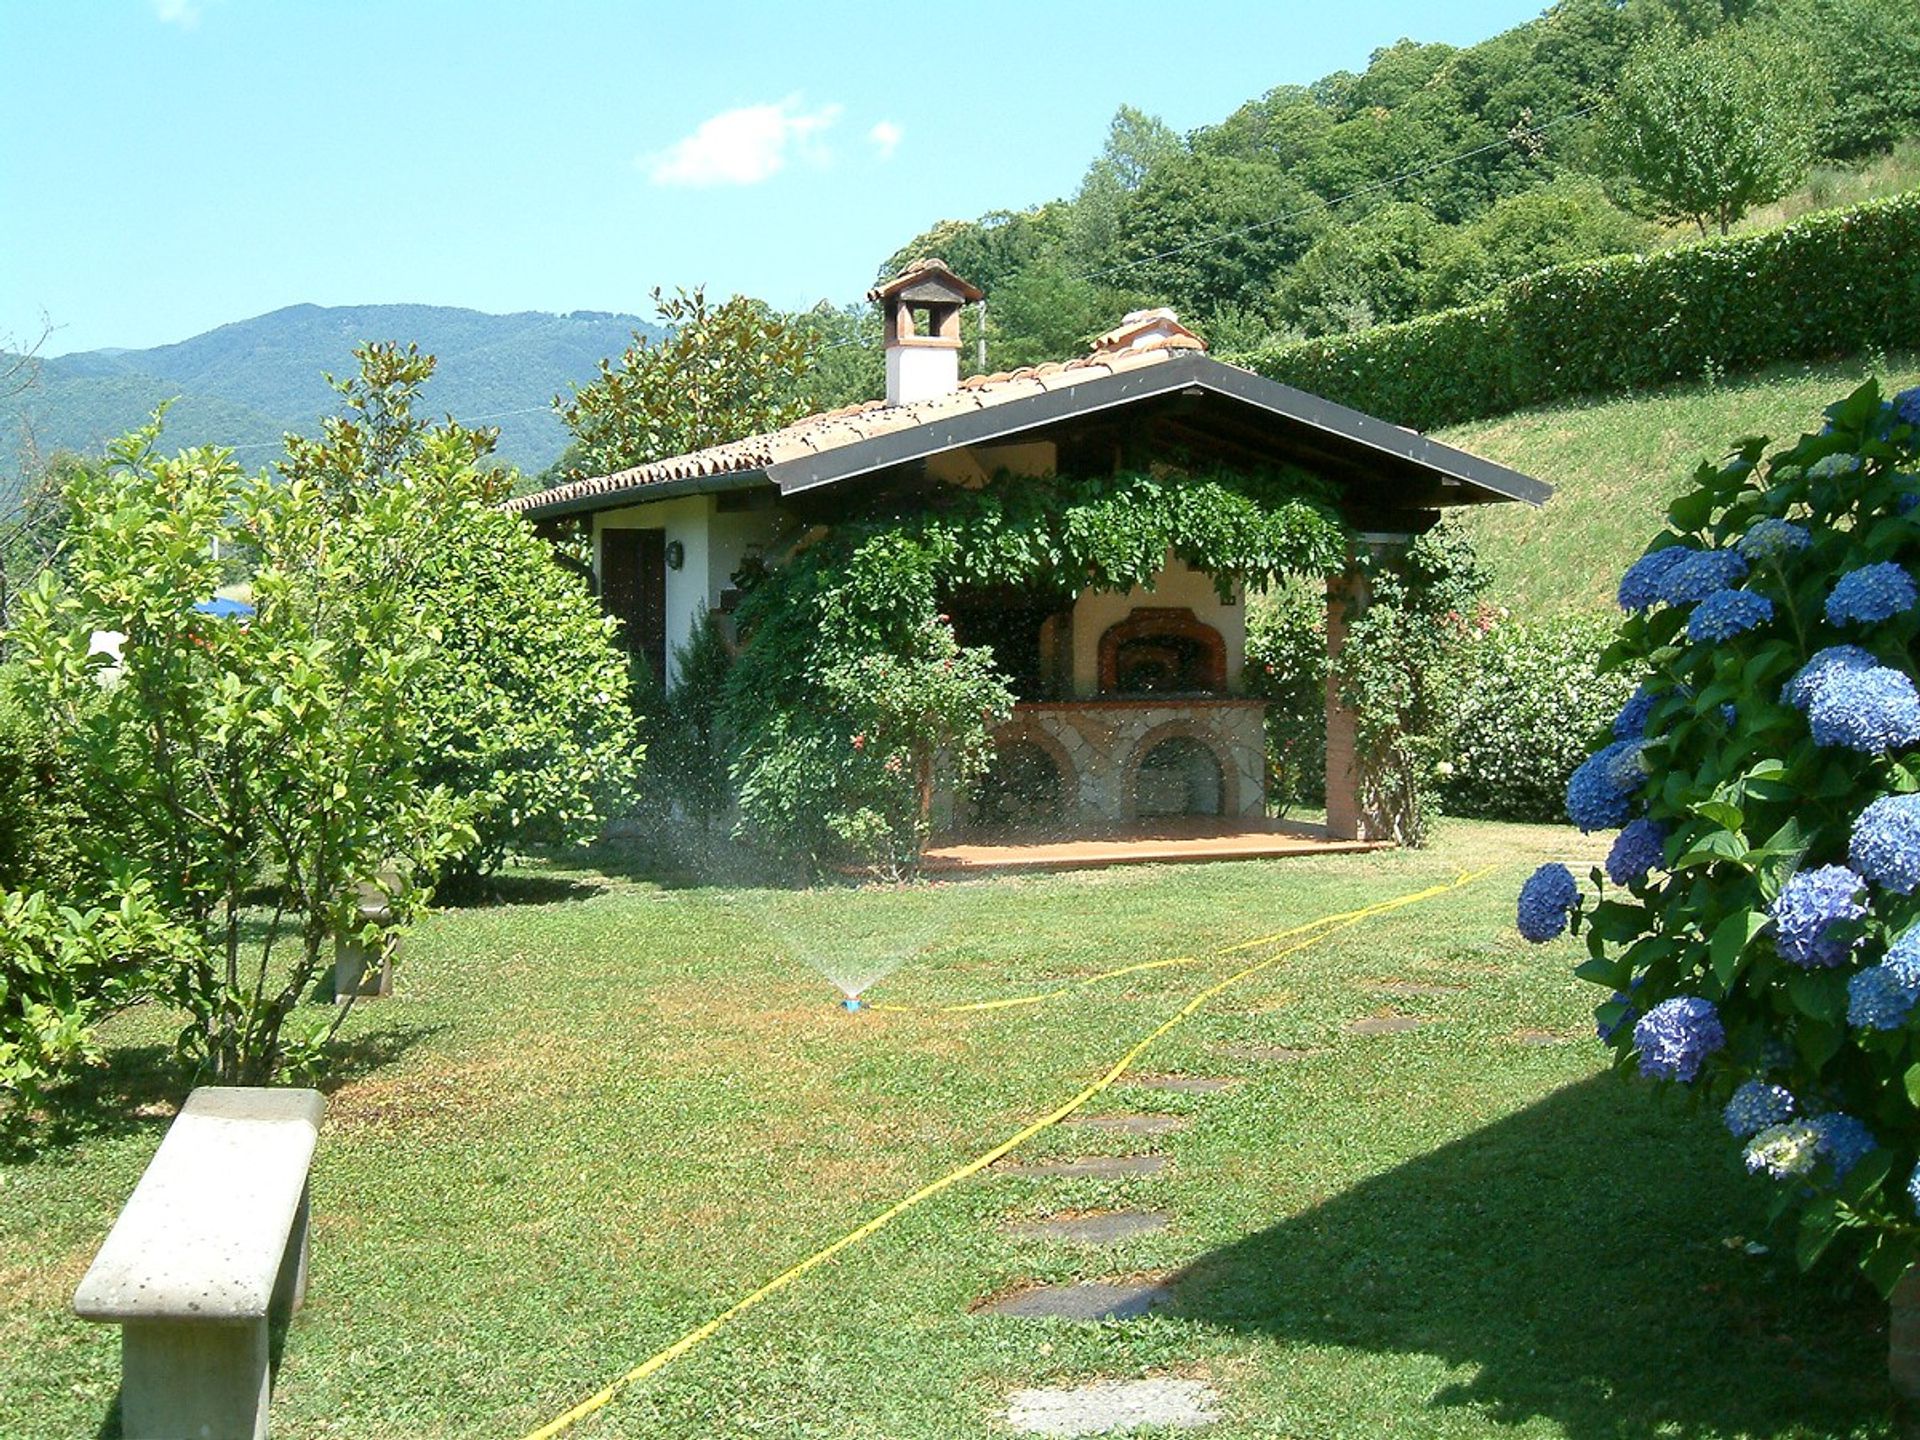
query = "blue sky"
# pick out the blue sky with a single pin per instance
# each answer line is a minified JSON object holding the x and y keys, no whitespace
{"x":171,"y":165}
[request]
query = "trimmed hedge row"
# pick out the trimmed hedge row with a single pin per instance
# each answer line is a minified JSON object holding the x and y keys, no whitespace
{"x":1829,"y":285}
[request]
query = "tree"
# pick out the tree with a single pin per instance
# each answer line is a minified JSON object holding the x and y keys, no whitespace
{"x":1704,"y":130}
{"x":720,"y":372}
{"x":1371,"y":272}
{"x":1136,"y":144}
{"x":1209,"y":231}
{"x":522,"y":703}
{"x":1569,"y":220}
{"x":218,"y":757}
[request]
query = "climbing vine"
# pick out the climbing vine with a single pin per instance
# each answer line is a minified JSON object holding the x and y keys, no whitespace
{"x":853,"y":689}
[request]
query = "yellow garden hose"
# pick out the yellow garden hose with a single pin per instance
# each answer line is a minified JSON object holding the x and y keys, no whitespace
{"x":1306,"y":935}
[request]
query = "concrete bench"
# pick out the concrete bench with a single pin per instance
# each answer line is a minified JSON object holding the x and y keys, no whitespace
{"x":211,"y":1247}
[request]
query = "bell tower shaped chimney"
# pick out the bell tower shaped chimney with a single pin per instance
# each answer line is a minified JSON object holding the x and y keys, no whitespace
{"x":921,"y":309}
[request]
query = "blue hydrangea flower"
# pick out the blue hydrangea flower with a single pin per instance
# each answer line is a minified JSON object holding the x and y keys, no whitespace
{"x":1631,"y":722}
{"x":1872,"y":711}
{"x":1881,"y":997}
{"x":1638,"y":849}
{"x":1545,"y":901}
{"x":1702,"y":573}
{"x":1600,"y":792}
{"x":1832,"y":467}
{"x":1834,"y":660}
{"x":1773,"y":539}
{"x":1784,"y":1151}
{"x":1756,"y":1106}
{"x":1810,"y":905}
{"x":1913,"y":1189}
{"x":1885,"y":847}
{"x":1843,"y":1141}
{"x":1727,"y":613}
{"x":1906,"y":406}
{"x":1871,"y":594}
{"x":1677,"y":1036}
{"x":1640,"y":586}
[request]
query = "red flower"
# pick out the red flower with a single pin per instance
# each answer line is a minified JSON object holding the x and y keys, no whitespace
{"x":859,"y":742}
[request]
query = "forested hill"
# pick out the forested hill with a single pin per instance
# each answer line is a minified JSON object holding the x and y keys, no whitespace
{"x":1442,"y":172}
{"x":250,"y":382}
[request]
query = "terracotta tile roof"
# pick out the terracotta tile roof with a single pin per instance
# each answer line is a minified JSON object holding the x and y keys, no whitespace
{"x":1143,"y":339}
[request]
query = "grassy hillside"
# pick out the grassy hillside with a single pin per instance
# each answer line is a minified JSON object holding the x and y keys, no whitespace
{"x":1616,"y":463}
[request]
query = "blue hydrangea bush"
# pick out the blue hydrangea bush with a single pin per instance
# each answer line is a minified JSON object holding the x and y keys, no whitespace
{"x":1756,"y":924}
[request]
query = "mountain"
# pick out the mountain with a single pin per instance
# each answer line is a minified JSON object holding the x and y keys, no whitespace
{"x":248,"y":383}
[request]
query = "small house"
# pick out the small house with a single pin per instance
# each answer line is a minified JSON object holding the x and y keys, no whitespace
{"x":1131,"y":706}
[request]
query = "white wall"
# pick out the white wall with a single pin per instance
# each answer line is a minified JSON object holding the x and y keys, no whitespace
{"x":715,"y":544}
{"x":1094,"y":613}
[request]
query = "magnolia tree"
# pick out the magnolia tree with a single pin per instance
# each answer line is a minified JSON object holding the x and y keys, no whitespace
{"x":218,"y":758}
{"x":1755,"y":920}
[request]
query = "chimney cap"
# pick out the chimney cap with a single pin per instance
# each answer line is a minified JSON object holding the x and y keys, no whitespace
{"x":1148,"y":330}
{"x":927,"y":281}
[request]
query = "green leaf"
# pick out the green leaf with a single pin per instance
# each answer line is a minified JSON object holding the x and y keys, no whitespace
{"x":1730,"y":940}
{"x":1913,"y":1085}
{"x":1821,"y":996}
{"x":1819,"y":1224}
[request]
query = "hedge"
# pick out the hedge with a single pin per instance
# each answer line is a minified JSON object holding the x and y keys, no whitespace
{"x":1829,"y":285}
{"x":41,"y":815}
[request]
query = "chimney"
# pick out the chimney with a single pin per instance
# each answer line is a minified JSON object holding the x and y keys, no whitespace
{"x":1147,"y":330}
{"x":921,"y":311}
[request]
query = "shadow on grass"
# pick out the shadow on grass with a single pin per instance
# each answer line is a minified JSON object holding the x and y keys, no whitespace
{"x":516,"y":889}
{"x":141,"y":1087}
{"x":1572,"y":1258}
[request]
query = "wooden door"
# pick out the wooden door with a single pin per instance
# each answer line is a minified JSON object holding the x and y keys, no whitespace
{"x":633,"y":589}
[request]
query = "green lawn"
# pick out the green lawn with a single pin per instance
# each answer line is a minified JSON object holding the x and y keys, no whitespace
{"x":598,"y":1115}
{"x":1616,"y":463}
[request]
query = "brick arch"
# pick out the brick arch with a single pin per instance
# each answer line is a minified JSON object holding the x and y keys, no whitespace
{"x":1025,"y":732}
{"x":1175,"y":730}
{"x":1174,"y":621}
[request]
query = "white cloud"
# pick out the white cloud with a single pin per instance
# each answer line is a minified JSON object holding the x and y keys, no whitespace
{"x":744,"y":146}
{"x":184,"y":13}
{"x":886,"y":138}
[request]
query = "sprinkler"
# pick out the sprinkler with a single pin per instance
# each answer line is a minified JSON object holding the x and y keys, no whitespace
{"x":850,"y":1004}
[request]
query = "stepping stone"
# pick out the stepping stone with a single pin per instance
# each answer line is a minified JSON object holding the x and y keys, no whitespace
{"x":1113,"y":1407}
{"x":1410,"y":987}
{"x":1132,"y":1124}
{"x":1084,"y":1301}
{"x":1108,"y":1229}
{"x":1539,"y":1037}
{"x":1182,"y":1084}
{"x":1097,"y":1167}
{"x":1275,"y":1054}
{"x":1390,"y":1024}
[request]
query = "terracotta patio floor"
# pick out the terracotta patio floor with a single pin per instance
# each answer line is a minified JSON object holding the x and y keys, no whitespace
{"x":1167,"y":842}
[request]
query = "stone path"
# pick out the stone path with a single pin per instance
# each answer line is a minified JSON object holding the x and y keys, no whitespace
{"x":1183,"y":1084}
{"x":1109,"y":1228}
{"x":1390,"y":1024}
{"x":1097,"y":1167}
{"x":1130,"y":1124}
{"x":1266,"y":1054}
{"x":1113,"y":1407}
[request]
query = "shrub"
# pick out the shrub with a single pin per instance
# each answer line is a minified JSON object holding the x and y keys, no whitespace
{"x":1831,"y":284}
{"x":1287,"y":667}
{"x":1756,"y":920}
{"x":1529,"y":695}
{"x":687,"y":746}
{"x":42,"y":817}
{"x":63,"y":969}
{"x":226,"y":756}
{"x":1395,"y":672}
